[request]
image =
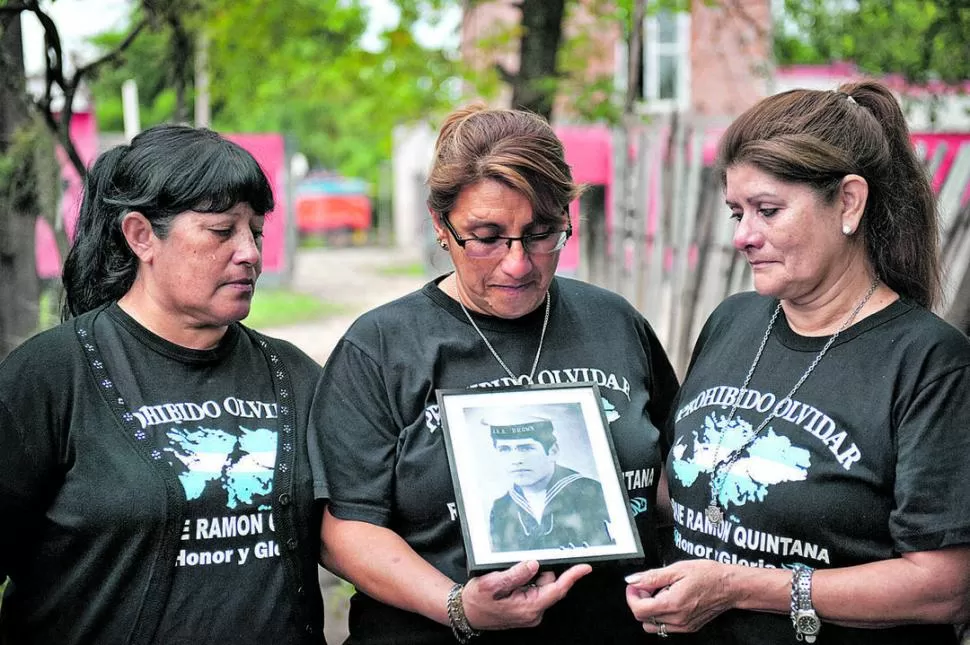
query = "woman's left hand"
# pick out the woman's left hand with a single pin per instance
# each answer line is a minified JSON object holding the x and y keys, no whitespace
{"x":682,"y":597}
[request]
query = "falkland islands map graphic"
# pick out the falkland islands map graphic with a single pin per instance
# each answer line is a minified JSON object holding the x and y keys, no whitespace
{"x":242,"y":465}
{"x":771,"y":459}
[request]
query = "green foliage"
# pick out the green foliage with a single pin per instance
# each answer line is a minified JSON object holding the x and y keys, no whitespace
{"x":29,"y":173}
{"x":276,"y":307}
{"x":145,"y":62}
{"x":297,"y":68}
{"x":920,"y":39}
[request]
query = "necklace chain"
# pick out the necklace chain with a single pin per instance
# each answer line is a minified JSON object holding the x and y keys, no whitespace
{"x":721,"y":467}
{"x":542,"y":336}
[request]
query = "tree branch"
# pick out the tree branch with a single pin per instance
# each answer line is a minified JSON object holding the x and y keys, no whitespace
{"x":115,"y":53}
{"x":737,"y":8}
{"x":55,"y":77}
{"x":505,"y":74}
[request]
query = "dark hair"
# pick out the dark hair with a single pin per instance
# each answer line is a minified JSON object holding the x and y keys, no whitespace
{"x":818,"y":137}
{"x":514,"y":147}
{"x":547,"y":441}
{"x":165,"y":171}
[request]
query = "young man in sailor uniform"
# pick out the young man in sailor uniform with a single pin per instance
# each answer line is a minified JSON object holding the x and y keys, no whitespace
{"x":548,"y":506}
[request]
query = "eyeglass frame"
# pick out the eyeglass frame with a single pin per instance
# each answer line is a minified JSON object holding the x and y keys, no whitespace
{"x":522,"y":239}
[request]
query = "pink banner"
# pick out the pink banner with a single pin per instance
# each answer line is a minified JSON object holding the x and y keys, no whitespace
{"x":270,"y":152}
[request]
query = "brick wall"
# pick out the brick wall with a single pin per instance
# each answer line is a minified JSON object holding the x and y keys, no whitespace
{"x":730,"y":55}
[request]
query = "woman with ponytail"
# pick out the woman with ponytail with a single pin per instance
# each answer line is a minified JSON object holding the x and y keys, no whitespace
{"x":155,"y":483}
{"x":818,"y":471}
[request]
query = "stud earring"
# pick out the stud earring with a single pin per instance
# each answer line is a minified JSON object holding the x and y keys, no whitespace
{"x":442,"y":244}
{"x":846,"y":229}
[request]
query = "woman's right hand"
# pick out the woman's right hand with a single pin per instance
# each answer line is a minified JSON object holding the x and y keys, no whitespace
{"x":516,"y":597}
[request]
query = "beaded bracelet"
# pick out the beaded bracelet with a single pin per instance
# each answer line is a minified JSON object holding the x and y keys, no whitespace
{"x":456,"y":616}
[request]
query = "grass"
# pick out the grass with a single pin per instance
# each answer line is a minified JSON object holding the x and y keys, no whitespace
{"x":48,"y":313}
{"x":276,"y":307}
{"x":412,"y":270}
{"x":270,"y":308}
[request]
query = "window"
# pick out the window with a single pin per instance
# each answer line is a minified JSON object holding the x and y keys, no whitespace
{"x":663,"y":72}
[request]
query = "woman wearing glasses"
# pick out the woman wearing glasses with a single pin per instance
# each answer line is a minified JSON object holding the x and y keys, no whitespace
{"x":499,"y":195}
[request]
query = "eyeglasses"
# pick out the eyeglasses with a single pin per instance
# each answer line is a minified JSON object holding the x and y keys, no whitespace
{"x":498,"y":245}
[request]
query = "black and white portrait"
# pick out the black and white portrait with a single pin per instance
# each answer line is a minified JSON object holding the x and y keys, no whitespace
{"x":535,"y":476}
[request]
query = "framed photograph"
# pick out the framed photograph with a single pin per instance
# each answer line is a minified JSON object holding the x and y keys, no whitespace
{"x":536,"y":476}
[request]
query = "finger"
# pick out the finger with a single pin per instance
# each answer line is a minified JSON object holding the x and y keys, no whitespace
{"x":652,"y":580}
{"x":635,"y":600}
{"x":657,"y":627}
{"x":545,"y":578}
{"x":554,"y":592}
{"x":503,"y":583}
{"x":571,"y":575}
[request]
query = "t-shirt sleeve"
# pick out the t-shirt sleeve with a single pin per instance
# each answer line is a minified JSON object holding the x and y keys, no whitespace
{"x":663,"y":386}
{"x":24,"y":480}
{"x":318,"y":470}
{"x":353,"y":428}
{"x":932,"y":489}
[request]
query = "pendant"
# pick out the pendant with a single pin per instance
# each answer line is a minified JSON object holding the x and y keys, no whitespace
{"x":714,"y":514}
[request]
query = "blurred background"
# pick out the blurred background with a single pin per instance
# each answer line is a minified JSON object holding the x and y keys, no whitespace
{"x":339,"y":101}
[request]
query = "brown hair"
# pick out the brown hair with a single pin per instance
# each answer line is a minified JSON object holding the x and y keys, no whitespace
{"x":514,"y":147}
{"x":818,"y":137}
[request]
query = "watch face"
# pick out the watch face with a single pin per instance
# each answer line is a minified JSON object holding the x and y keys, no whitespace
{"x":808,"y":624}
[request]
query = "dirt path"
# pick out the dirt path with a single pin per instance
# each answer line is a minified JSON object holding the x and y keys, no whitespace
{"x":359,"y":278}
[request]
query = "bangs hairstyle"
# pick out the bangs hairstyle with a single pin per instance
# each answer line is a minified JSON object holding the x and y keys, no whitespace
{"x":165,"y":171}
{"x":176,"y":169}
{"x":513,"y":147}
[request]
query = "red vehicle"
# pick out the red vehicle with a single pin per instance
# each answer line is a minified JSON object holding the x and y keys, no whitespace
{"x":329,"y":204}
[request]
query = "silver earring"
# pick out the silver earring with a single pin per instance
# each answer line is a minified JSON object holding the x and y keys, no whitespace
{"x":442,"y":244}
{"x":846,"y":229}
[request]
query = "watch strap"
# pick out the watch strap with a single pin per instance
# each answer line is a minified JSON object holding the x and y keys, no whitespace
{"x":804,"y":618}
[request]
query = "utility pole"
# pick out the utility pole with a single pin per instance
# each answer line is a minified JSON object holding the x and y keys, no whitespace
{"x":202,"y":80}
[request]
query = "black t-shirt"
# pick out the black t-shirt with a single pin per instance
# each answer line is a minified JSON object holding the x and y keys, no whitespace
{"x":114,"y":533}
{"x":380,"y":433}
{"x":213,"y":421}
{"x":867,"y":461}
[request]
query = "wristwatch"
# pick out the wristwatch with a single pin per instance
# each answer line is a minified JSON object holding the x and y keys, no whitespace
{"x":803,"y":616}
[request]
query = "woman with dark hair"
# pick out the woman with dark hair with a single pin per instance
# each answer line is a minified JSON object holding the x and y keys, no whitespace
{"x":155,"y":482}
{"x":818,"y":467}
{"x":500,"y":191}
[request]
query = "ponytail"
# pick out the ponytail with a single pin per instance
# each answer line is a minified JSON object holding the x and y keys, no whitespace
{"x":99,"y":268}
{"x":900,"y":224}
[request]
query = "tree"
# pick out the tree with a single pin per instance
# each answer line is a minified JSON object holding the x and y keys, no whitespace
{"x":534,"y":87}
{"x":19,"y":286}
{"x":298,"y":68}
{"x":554,"y":64}
{"x":922,"y":40}
{"x":29,"y":127}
